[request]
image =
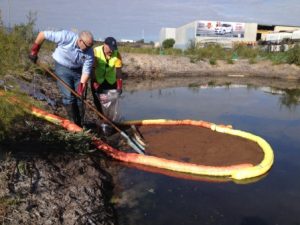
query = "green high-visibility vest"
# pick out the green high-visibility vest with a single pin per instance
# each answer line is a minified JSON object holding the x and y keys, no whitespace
{"x":105,"y":69}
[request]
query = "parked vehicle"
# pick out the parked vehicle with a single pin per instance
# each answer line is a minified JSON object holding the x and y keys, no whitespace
{"x":225,"y":28}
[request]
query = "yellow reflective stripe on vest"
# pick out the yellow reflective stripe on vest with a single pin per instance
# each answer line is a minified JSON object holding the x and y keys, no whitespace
{"x":105,"y":70}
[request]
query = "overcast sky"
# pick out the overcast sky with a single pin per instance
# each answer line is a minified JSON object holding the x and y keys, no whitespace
{"x":136,"y":19}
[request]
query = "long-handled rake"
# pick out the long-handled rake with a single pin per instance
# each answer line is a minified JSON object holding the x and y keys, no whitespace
{"x":131,"y":141}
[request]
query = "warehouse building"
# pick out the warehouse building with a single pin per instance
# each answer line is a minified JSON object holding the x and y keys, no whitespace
{"x":221,"y":32}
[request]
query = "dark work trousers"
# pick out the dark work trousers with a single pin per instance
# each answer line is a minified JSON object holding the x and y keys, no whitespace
{"x":72,"y":78}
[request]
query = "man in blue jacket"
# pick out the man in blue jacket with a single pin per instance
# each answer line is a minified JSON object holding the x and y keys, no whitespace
{"x":74,"y":58}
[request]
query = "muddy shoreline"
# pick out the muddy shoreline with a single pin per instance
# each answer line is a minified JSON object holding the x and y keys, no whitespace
{"x":171,"y":71}
{"x":71,"y":188}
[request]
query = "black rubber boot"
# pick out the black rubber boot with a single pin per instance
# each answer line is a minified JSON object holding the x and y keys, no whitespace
{"x":81,"y":108}
{"x":73,"y":113}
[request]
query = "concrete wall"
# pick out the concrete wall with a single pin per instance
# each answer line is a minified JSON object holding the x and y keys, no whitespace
{"x":277,"y":37}
{"x":296,"y":35}
{"x":166,"y":33}
{"x":184,"y":35}
{"x":250,"y":32}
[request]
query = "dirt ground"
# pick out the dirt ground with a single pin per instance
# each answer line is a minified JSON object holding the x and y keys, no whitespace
{"x":55,"y":188}
{"x":72,"y":189}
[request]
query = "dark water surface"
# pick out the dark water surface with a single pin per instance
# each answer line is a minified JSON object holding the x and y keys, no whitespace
{"x":150,"y":198}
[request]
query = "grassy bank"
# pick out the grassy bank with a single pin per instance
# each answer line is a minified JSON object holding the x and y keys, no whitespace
{"x":214,"y":52}
{"x":14,"y":45}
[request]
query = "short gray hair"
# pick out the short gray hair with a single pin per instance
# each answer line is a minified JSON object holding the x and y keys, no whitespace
{"x":86,"y":35}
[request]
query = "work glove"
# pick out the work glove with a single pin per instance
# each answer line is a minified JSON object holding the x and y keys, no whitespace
{"x":119,"y":86}
{"x":81,"y":89}
{"x":96,"y":86}
{"x":33,"y":56}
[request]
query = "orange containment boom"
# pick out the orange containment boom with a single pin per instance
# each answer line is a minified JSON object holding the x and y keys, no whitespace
{"x":236,"y":172}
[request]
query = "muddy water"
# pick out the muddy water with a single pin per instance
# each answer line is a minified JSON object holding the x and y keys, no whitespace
{"x":156,"y":198}
{"x":199,"y":145}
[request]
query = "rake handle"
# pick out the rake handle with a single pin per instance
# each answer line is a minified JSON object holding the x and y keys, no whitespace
{"x":130,"y":141}
{"x":78,"y":96}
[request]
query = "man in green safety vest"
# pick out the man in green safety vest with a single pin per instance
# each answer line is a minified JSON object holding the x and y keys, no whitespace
{"x":106,"y":82}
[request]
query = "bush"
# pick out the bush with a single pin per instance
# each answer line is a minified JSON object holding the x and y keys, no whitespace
{"x":168,"y":43}
{"x":129,"y":49}
{"x":246,"y":51}
{"x":293,"y":55}
{"x":212,"y":61}
{"x":14,"y":46}
{"x":210,"y":51}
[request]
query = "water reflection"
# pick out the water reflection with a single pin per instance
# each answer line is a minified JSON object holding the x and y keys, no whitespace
{"x":160,"y":199}
{"x":191,"y":177}
{"x":290,"y":98}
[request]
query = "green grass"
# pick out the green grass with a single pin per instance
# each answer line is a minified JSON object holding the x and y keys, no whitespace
{"x":11,"y":112}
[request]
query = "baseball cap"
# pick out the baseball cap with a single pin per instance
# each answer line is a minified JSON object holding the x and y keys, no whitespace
{"x":111,"y":42}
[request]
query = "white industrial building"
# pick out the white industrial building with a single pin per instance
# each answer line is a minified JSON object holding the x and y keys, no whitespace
{"x":278,"y":37}
{"x":222,"y":32}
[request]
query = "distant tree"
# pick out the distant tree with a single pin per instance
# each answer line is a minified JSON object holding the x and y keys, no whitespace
{"x":168,"y":43}
{"x":141,"y":41}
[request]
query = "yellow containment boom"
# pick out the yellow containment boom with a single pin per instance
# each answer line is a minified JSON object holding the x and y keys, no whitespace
{"x":238,"y":172}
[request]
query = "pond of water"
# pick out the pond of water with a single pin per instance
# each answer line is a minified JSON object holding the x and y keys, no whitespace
{"x":156,"y":199}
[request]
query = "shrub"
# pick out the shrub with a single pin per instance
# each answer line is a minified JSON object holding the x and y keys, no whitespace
{"x":129,"y":49}
{"x":246,"y":51}
{"x":212,"y":61}
{"x":209,"y":51}
{"x":14,"y":46}
{"x":293,"y":55}
{"x":168,"y":43}
{"x":230,"y":61}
